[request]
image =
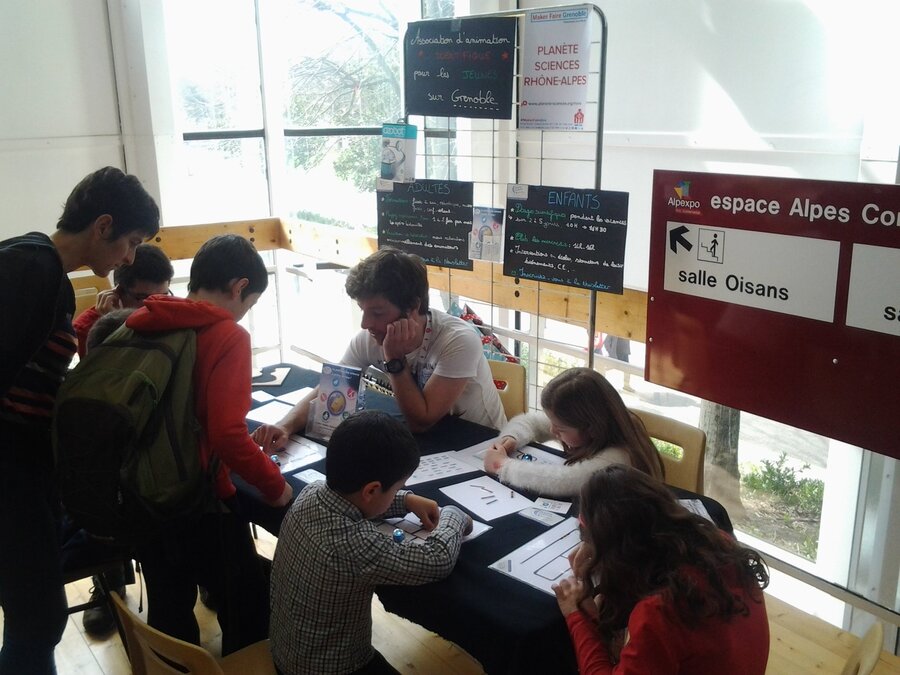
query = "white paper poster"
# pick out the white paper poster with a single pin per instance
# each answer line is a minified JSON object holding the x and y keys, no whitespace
{"x":555,"y":61}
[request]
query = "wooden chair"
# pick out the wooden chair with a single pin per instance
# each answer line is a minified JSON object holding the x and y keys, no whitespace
{"x":87,"y":287}
{"x":154,"y":653}
{"x":865,"y":657}
{"x":510,"y":380}
{"x":686,"y":473}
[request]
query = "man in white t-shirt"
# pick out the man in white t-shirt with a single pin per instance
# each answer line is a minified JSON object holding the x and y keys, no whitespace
{"x":434,"y":361}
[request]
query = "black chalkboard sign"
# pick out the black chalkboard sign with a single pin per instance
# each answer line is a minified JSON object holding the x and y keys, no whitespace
{"x":431,"y":218}
{"x":460,"y":67}
{"x":566,"y":236}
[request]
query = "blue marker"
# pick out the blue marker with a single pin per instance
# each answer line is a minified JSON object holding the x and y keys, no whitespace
{"x":398,"y":535}
{"x":527,"y":457}
{"x":275,"y":459}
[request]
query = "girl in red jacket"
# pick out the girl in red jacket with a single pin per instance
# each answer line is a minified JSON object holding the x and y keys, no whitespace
{"x":658,"y":589}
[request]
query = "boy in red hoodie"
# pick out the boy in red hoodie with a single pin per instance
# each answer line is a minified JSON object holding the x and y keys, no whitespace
{"x":227,"y":278}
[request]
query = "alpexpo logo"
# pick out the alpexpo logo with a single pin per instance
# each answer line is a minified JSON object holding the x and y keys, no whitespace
{"x":682,"y":201}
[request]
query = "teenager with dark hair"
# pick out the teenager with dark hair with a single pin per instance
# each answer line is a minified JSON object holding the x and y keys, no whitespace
{"x":434,"y":361}
{"x":227,"y":278}
{"x":329,"y":556}
{"x":149,"y":274}
{"x":658,"y":589}
{"x":105,"y":218}
{"x":583,"y":411}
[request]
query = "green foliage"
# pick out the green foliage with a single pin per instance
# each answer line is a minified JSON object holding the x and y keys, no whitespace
{"x":357,"y":161}
{"x":552,"y":365}
{"x":802,"y":495}
{"x":668,"y":449}
{"x":313,"y":217}
{"x":352,"y":83}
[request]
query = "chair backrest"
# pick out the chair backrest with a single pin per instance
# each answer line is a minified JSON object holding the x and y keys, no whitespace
{"x":510,"y":380}
{"x":865,"y":657}
{"x":153,"y":653}
{"x":687,"y":472}
{"x":87,"y":287}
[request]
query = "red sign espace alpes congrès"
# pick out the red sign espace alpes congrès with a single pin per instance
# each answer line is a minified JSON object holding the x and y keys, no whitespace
{"x":780,"y":297}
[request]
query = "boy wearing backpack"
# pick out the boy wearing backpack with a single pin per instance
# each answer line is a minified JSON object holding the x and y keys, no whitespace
{"x":106,"y":216}
{"x":216,"y":550}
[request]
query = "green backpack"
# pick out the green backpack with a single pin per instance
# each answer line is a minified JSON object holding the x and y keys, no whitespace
{"x":126,"y":440}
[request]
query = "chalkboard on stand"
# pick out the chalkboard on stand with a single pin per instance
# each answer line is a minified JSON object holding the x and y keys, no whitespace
{"x":566,"y":236}
{"x":460,"y":67}
{"x":431,"y":218}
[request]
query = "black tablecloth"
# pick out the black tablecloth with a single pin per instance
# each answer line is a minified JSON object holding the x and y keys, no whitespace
{"x":507,"y":625}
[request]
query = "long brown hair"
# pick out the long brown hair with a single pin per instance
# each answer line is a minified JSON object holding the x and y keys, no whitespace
{"x":643,"y":542}
{"x":585,"y":400}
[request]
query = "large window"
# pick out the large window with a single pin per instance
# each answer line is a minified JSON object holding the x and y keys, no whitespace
{"x":216,"y":80}
{"x":280,"y":105}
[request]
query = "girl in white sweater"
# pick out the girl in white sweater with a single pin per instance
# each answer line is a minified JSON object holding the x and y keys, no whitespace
{"x":585,"y":413}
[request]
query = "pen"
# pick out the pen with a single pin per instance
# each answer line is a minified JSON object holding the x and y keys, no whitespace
{"x":491,"y":502}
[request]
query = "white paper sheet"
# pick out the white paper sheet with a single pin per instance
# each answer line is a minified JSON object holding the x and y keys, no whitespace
{"x":697,"y":507}
{"x":270,"y":413}
{"x":544,"y":560}
{"x":438,"y":465}
{"x":474,"y":454}
{"x":310,"y":476}
{"x":261,"y":396}
{"x":294,"y":397}
{"x":486,"y":497}
{"x":547,"y":518}
{"x":416,"y":533}
{"x":298,"y":453}
{"x":554,"y":505}
{"x":274,"y":378}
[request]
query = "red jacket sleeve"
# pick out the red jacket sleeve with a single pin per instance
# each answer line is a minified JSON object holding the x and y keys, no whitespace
{"x":227,"y":402}
{"x":82,"y":326}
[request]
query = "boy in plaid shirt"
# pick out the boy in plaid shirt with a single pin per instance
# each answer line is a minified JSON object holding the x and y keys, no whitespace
{"x":330,"y":557}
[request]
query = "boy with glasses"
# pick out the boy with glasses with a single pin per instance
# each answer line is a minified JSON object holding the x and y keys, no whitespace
{"x":149,"y":274}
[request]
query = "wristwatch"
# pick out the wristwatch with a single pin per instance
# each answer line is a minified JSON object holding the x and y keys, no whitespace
{"x":395,"y":366}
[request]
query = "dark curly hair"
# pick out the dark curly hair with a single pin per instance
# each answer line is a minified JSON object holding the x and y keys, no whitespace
{"x":401,"y":278}
{"x":644,"y":543}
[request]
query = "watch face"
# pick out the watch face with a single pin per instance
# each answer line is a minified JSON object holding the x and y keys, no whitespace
{"x":394,"y":365}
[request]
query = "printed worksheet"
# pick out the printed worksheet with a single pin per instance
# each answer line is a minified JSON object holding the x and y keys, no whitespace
{"x":298,"y":453}
{"x":474,"y":454}
{"x":487,"y":498}
{"x":544,"y":560}
{"x":416,"y":533}
{"x":438,"y":465}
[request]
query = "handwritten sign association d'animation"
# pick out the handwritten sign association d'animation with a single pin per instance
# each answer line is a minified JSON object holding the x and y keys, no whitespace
{"x":460,"y":67}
